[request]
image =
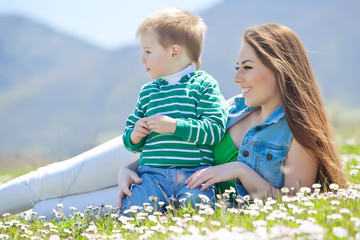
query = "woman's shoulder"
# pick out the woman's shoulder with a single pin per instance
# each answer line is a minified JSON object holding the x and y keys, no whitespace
{"x":232,"y":99}
{"x":237,"y":105}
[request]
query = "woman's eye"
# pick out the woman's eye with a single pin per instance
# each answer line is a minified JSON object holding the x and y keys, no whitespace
{"x":247,"y":67}
{"x":236,"y":68}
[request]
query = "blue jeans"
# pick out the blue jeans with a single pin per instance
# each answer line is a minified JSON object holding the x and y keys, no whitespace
{"x":168,"y":185}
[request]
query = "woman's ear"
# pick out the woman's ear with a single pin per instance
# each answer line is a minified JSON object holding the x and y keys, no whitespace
{"x":176,"y":51}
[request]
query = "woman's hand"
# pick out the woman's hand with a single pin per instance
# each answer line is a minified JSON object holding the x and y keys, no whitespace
{"x":211,"y":175}
{"x":126,"y":178}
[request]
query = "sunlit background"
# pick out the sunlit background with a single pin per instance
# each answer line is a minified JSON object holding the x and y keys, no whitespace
{"x":109,"y":24}
{"x":70,"y":71}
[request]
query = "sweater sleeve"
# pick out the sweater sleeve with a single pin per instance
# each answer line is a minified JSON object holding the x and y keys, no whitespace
{"x":129,"y":128}
{"x":212,"y":114}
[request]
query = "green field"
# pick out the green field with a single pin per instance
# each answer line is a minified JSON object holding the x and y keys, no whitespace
{"x":309,"y":214}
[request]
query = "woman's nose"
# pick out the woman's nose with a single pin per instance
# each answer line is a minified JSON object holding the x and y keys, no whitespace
{"x":238,"y":77}
{"x":142,"y":60}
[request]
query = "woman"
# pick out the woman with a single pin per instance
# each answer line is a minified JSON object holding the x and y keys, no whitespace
{"x":279,"y":126}
{"x":278,"y":133}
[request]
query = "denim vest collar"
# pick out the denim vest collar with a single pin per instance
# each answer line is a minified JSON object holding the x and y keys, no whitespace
{"x":240,"y":110}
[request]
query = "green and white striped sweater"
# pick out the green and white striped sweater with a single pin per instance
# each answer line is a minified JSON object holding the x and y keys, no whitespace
{"x":201,"y":113}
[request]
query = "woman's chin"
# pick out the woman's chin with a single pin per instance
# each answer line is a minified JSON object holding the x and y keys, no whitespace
{"x":250,"y":103}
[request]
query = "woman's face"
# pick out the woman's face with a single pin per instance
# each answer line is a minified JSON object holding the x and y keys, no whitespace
{"x":258,"y":83}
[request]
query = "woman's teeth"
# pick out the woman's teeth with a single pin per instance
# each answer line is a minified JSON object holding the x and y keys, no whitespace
{"x":245,"y":90}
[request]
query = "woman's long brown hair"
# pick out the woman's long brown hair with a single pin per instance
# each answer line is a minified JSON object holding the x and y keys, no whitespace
{"x":280,"y":49}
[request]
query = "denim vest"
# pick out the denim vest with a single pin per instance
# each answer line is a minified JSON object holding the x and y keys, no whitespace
{"x":265,"y":146}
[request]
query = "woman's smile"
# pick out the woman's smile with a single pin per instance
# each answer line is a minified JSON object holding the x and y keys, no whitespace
{"x":245,"y":90}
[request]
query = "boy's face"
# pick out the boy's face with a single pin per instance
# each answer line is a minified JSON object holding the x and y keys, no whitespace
{"x":158,"y":60}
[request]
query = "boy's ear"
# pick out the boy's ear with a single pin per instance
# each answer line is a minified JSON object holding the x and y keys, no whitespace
{"x":176,"y":51}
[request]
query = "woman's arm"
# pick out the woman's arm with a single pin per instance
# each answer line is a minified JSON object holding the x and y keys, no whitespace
{"x":131,"y":166}
{"x":299,"y":171}
{"x":300,"y":168}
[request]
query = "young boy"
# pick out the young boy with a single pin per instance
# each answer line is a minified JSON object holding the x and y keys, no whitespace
{"x":179,"y":116}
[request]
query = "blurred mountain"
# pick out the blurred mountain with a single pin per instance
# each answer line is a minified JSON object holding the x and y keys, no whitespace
{"x":60,"y":96}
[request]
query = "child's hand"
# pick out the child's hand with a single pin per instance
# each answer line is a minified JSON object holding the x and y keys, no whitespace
{"x":161,"y":124}
{"x":141,"y":130}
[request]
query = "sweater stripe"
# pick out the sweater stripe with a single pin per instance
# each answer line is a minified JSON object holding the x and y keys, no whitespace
{"x":169,"y":98}
{"x":201,"y":114}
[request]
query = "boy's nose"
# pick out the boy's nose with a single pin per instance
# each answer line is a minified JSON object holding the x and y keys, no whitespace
{"x":142,"y":60}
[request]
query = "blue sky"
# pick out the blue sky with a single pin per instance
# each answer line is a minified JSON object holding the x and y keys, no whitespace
{"x":109,"y":24}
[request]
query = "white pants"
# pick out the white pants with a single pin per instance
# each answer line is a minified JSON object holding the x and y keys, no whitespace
{"x":87,"y":179}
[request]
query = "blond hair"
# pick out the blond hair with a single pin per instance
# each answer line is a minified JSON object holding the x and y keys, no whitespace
{"x":177,"y":26}
{"x":280,"y":49}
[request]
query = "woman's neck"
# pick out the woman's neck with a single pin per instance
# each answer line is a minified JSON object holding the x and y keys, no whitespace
{"x":267,"y":109}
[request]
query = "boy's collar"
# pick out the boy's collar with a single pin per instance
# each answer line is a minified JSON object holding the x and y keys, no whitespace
{"x":174,"y":78}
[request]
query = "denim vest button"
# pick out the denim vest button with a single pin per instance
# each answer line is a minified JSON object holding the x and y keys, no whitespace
{"x":245,"y":153}
{"x":272,"y":143}
{"x":258,"y":128}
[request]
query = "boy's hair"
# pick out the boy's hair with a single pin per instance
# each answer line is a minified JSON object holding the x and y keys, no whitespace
{"x":177,"y":26}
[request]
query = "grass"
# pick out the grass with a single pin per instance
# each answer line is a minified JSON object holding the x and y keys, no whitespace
{"x":309,"y":214}
{"x":13,"y":173}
